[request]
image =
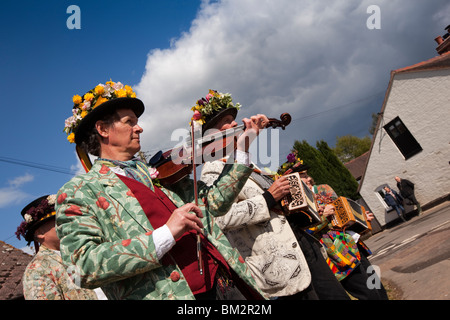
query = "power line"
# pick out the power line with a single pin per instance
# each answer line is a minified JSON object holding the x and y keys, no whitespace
{"x":37,"y":165}
{"x":338,"y":107}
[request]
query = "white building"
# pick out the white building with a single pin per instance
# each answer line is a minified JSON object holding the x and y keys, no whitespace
{"x":412,"y":139}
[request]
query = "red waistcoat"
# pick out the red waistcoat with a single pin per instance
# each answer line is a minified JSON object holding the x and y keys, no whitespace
{"x":158,"y":208}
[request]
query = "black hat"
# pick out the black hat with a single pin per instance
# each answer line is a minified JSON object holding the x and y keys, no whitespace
{"x":35,"y":214}
{"x":106,"y":108}
{"x":209,"y":110}
{"x":300,"y":168}
{"x":102,"y":100}
{"x":212,"y":119}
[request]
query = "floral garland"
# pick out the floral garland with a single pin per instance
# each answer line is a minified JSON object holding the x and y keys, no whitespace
{"x":91,"y":100}
{"x":35,"y":214}
{"x":213,"y":101}
{"x":292,"y":160}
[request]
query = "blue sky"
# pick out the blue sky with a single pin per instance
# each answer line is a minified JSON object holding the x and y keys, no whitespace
{"x":44,"y":64}
{"x":314,"y":59}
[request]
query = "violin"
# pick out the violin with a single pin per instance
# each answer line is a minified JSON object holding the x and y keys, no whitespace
{"x":175,"y":164}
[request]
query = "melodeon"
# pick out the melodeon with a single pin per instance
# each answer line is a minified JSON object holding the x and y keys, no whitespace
{"x":300,"y":203}
{"x":350,"y":215}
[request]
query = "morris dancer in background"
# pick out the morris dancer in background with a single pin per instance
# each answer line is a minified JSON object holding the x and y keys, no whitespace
{"x":45,"y":277}
{"x":347,"y":254}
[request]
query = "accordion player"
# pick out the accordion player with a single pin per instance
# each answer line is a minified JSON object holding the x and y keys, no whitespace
{"x":350,"y":215}
{"x":300,"y":203}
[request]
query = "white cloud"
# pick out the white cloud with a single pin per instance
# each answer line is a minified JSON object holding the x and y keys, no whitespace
{"x":12,"y":194}
{"x":303,"y":57}
{"x":19,"y":181}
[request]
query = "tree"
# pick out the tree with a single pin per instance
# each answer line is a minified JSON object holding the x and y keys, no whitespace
{"x":373,"y":125}
{"x":326,"y":168}
{"x":343,"y":183}
{"x":311,"y":157}
{"x":350,"y":147}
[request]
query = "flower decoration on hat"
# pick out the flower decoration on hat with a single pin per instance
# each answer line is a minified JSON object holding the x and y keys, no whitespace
{"x":212,"y":102}
{"x":35,"y":214}
{"x":91,"y":100}
{"x":293,"y":160}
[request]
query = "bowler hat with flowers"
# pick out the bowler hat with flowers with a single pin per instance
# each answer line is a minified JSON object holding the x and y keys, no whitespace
{"x":210,"y":109}
{"x":35,"y":214}
{"x":293,"y":164}
{"x":101,"y":100}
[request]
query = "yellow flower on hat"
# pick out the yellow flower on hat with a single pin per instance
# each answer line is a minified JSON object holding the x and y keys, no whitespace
{"x":77,"y":99}
{"x":214,"y":93}
{"x":83,"y":113}
{"x":128,"y":89}
{"x":100,"y":100}
{"x":71,"y":137}
{"x":99,"y":90}
{"x":88,"y":96}
{"x":122,"y":93}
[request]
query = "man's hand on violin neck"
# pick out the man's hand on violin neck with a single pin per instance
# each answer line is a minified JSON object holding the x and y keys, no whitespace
{"x":185,"y":218}
{"x":252,"y":129}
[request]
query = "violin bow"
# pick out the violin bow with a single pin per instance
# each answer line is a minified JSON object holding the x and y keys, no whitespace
{"x":199,"y":245}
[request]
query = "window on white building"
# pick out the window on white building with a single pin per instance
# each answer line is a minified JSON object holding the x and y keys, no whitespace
{"x":402,"y":138}
{"x":379,"y":192}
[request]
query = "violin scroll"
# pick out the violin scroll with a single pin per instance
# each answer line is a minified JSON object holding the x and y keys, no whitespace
{"x":285,"y":119}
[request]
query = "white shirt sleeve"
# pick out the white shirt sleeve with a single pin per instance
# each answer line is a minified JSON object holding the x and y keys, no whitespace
{"x":163,"y":240}
{"x":242,"y":157}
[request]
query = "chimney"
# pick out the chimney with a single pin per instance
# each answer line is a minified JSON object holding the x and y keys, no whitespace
{"x":443,"y":42}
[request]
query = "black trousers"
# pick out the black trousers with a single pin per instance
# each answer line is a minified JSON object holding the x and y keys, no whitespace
{"x":412,"y":198}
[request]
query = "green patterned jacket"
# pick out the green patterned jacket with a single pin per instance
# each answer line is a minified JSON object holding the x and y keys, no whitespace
{"x":106,"y":235}
{"x":46,"y":278}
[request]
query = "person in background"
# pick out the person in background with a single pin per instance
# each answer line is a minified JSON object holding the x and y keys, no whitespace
{"x":347,"y":253}
{"x":406,"y":189}
{"x":394,"y":200}
{"x":45,"y":277}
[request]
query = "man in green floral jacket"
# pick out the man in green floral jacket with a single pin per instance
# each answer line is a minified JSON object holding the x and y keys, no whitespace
{"x":131,"y":238}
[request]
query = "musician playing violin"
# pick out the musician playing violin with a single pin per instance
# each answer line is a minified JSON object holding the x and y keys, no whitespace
{"x":256,"y":227}
{"x":135,"y":240}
